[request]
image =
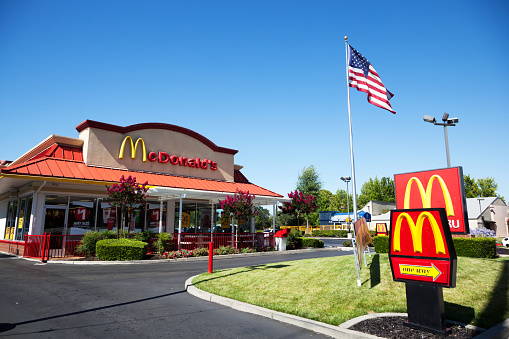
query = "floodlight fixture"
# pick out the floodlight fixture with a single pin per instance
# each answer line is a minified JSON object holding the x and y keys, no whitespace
{"x":446,"y":122}
{"x":347,"y":180}
{"x":429,"y":118}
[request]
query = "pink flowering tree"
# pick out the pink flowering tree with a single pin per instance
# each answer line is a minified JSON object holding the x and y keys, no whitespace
{"x":301,"y":205}
{"x":240,"y":206}
{"x":125,"y":195}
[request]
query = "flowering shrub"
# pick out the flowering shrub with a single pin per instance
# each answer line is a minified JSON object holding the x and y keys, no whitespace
{"x":482,"y":232}
{"x":227,"y":250}
{"x":248,"y":250}
{"x":239,"y":206}
{"x":126,"y":194}
{"x":301,"y":204}
{"x":177,"y":254}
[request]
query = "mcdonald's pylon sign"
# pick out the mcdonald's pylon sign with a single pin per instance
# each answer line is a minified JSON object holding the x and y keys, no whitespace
{"x":421,"y":247}
{"x":432,"y":189}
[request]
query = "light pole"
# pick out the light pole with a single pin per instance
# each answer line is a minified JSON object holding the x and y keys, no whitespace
{"x":446,"y":122}
{"x":347,"y":180}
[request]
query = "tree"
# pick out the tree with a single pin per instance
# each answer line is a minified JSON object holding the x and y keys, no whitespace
{"x":486,"y":187}
{"x":301,"y":205}
{"x":324,"y":200}
{"x":262,"y":218}
{"x":380,"y":190}
{"x":125,"y":195}
{"x":309,"y":181}
{"x":471,"y":188}
{"x":340,"y":202}
{"x":239,"y":206}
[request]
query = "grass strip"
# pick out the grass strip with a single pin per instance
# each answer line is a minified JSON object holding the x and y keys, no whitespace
{"x":326,"y":289}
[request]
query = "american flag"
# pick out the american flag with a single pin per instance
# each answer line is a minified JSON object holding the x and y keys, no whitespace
{"x":362,"y":75}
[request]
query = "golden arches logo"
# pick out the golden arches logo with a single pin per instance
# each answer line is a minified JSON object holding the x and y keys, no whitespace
{"x":426,"y":193}
{"x":134,"y":147}
{"x":416,"y":232}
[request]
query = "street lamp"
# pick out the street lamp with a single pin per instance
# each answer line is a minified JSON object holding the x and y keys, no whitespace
{"x":446,"y":122}
{"x":347,"y":180}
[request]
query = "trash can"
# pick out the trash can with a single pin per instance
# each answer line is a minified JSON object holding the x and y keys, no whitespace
{"x":280,"y":237}
{"x":281,"y":244}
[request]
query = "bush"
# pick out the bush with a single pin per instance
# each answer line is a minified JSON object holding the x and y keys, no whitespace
{"x":226,"y":250}
{"x":330,"y":233}
{"x":248,"y":250}
{"x":381,"y":243}
{"x":163,"y":242}
{"x":121,"y":249}
{"x":483,"y":232}
{"x":294,"y":241}
{"x":176,"y":254}
{"x":347,"y":243}
{"x":89,"y":241}
{"x":312,"y":242}
{"x":475,"y":247}
{"x":143,"y":236}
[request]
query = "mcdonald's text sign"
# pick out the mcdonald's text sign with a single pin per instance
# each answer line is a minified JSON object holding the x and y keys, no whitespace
{"x":421,"y":247}
{"x":432,"y":189}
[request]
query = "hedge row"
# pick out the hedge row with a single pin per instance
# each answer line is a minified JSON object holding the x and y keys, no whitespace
{"x":330,"y":233}
{"x":335,"y":233}
{"x":121,"y":249}
{"x":465,"y":247}
{"x":312,"y":242}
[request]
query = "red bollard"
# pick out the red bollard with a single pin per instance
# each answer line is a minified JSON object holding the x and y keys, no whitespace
{"x":211,"y":255}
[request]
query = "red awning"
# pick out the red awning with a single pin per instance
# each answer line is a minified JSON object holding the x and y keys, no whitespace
{"x":76,"y":171}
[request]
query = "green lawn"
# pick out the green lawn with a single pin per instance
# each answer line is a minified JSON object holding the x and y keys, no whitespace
{"x":326,"y":289}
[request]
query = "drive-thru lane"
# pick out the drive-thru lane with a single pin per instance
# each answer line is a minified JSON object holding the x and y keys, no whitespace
{"x":127,"y":301}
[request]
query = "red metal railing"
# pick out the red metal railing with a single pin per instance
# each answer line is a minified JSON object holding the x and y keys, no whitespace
{"x":51,"y":246}
{"x":48,"y":246}
{"x":190,"y":241}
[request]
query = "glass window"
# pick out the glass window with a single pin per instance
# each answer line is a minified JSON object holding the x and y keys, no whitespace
{"x":154,"y":215}
{"x":81,"y":215}
{"x":25,"y":211}
{"x":12,"y":211}
{"x":196,"y":218}
{"x":18,"y":218}
{"x":53,"y":200}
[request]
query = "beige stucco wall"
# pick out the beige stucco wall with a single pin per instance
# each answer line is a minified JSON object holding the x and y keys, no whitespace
{"x":499,"y":216}
{"x":101,"y":148}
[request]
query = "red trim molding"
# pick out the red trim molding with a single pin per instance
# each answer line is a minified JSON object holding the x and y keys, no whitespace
{"x":153,"y":125}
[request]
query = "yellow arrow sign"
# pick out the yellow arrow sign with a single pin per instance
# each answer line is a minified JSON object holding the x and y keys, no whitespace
{"x":422,"y":271}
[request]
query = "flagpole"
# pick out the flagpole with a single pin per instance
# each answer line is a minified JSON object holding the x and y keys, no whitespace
{"x":354,"y":191}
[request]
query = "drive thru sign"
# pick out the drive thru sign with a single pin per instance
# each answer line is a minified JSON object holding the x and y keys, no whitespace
{"x":421,"y":247}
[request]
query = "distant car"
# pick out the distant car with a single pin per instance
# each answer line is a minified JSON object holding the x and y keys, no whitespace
{"x":505,"y":242}
{"x":267,"y":231}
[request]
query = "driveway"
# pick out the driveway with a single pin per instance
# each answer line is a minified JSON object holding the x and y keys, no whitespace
{"x":128,"y":301}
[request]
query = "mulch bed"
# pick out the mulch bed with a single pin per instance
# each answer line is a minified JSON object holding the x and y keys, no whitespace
{"x":392,"y":327}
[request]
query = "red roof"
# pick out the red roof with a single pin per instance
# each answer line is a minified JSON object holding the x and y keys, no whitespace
{"x":61,"y":167}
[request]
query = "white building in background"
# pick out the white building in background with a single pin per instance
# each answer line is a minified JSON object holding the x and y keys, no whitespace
{"x":488,"y":212}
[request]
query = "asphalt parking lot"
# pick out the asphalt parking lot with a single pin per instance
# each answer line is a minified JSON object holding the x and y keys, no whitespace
{"x":145,"y":300}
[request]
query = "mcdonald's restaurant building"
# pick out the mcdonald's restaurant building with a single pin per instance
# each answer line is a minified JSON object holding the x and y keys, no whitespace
{"x":59,"y":186}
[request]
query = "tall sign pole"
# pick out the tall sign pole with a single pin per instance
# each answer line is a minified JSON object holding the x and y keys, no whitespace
{"x":352,"y":163}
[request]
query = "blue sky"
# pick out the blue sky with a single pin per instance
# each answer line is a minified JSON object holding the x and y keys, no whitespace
{"x":267,"y":78}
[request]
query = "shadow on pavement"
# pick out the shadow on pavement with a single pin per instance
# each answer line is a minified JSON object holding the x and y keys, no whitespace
{"x":7,"y":327}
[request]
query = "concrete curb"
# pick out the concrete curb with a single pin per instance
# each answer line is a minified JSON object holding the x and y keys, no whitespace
{"x":500,"y":331}
{"x":315,"y":326}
